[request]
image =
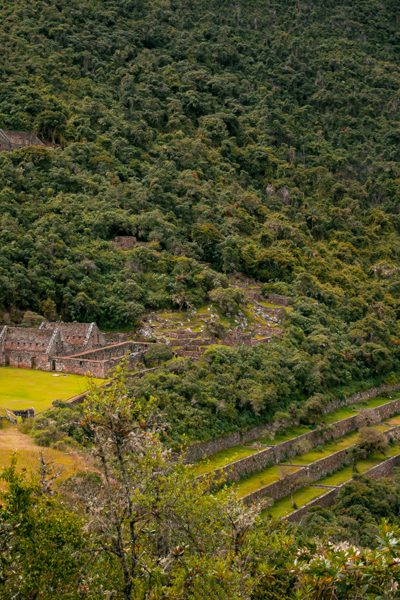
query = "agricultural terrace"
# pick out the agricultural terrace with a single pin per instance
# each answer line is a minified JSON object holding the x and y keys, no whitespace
{"x":229,"y":455}
{"x":302,"y":496}
{"x":25,"y":388}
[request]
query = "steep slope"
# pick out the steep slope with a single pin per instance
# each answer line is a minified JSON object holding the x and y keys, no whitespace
{"x":224,"y":137}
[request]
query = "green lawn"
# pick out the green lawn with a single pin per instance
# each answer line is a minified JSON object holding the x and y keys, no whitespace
{"x":301,"y":497}
{"x":347,"y":472}
{"x":24,"y":388}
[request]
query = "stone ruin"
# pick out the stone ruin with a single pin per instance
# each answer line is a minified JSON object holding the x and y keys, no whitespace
{"x":78,"y":348}
{"x":11,"y":140}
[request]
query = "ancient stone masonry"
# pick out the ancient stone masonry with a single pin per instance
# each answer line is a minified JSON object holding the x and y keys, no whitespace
{"x":384,"y":469}
{"x":285,"y":450}
{"x":11,"y":140}
{"x":201,"y":450}
{"x":79,"y":348}
{"x":310,"y":473}
{"x":278,"y":299}
{"x":101,"y":361}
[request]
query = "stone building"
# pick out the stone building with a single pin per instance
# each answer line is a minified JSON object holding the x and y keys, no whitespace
{"x":10,"y":140}
{"x":77,"y":337}
{"x":79,"y":348}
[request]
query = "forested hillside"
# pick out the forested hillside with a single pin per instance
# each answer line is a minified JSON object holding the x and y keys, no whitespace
{"x":258,"y":137}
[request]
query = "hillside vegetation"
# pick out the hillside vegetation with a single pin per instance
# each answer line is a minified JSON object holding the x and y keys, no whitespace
{"x":254,"y":137}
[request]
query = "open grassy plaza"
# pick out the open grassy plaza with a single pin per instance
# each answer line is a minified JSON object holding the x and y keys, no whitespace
{"x":25,"y":388}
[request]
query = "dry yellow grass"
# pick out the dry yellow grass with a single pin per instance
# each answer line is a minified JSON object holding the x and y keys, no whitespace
{"x":13,"y":441}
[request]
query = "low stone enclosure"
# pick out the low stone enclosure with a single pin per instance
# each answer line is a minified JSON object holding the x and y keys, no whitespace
{"x":384,"y":469}
{"x":189,"y":333}
{"x":78,"y":348}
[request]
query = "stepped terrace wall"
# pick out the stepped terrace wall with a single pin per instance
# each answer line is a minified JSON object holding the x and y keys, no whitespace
{"x":202,"y":450}
{"x":363,"y":396}
{"x":310,"y":473}
{"x":275,"y":454}
{"x":384,"y":469}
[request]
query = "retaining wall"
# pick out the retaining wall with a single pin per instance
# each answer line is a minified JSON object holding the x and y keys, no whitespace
{"x":384,"y":469}
{"x":363,"y":396}
{"x":201,"y":450}
{"x":310,"y":473}
{"x":275,"y":454}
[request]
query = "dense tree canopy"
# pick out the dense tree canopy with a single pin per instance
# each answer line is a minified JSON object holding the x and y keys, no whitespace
{"x":223,"y":136}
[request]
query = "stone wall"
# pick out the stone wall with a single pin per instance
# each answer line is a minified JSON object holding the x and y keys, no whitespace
{"x":363,"y":396}
{"x":100,"y":362}
{"x":384,"y":469}
{"x":202,"y":450}
{"x":25,"y":360}
{"x":279,"y":299}
{"x":27,"y":413}
{"x":118,"y":350}
{"x":304,"y":476}
{"x":310,"y":473}
{"x":95,"y":368}
{"x":9,"y":140}
{"x":274,"y":454}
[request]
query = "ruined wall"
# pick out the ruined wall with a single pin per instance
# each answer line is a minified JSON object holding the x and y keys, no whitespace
{"x":124,"y":242}
{"x":118,"y":350}
{"x":99,"y":363}
{"x":363,"y":396}
{"x":27,"y":360}
{"x":279,"y":299}
{"x":201,"y":450}
{"x":10,"y":140}
{"x":95,"y":368}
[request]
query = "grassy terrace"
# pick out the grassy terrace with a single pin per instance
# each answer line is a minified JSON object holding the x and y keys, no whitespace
{"x":300,"y":497}
{"x":263,"y":478}
{"x":25,"y":388}
{"x":331,"y":447}
{"x":271,"y":474}
{"x":284,"y":506}
{"x":349,"y":411}
{"x":225,"y":457}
